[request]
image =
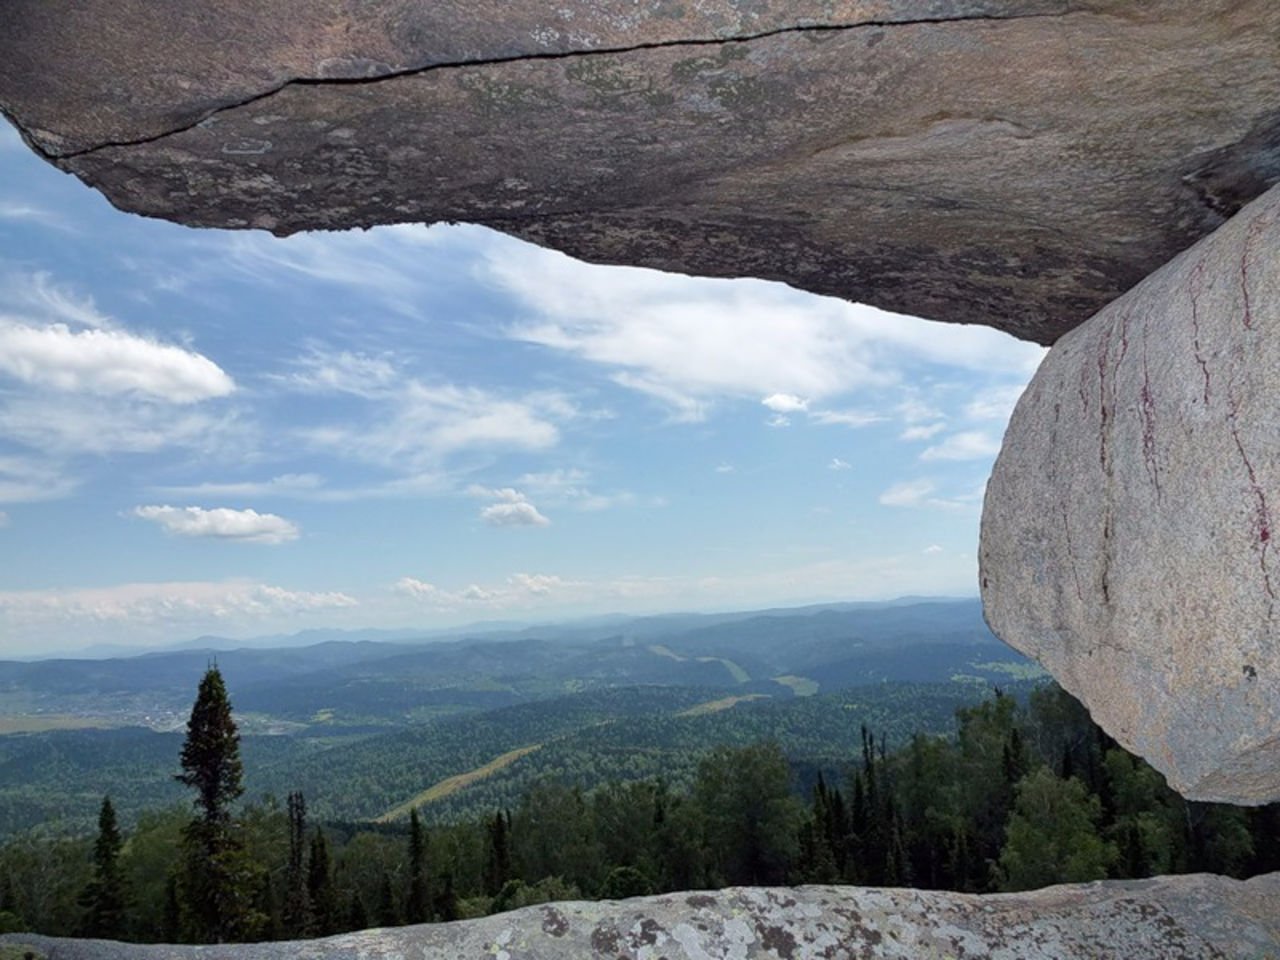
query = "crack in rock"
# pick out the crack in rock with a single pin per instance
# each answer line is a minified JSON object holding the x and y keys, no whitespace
{"x":399,"y":74}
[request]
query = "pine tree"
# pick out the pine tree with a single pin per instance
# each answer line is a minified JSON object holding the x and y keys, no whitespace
{"x":172,"y":911}
{"x":446,"y":901}
{"x":216,"y":887}
{"x":418,"y":904}
{"x":388,"y":915}
{"x":320,"y":889}
{"x":497,"y":867}
{"x":357,"y":915}
{"x":104,"y":897}
{"x":297,"y":903}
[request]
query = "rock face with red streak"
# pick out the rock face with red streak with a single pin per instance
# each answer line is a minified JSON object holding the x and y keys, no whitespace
{"x":1017,"y":163}
{"x":1129,"y":539}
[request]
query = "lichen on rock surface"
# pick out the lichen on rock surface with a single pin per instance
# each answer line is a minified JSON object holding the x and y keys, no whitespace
{"x":1129,"y":533}
{"x":1196,"y":916}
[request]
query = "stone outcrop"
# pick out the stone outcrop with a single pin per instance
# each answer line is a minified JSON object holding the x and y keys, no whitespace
{"x":1197,"y":916}
{"x":1129,"y":538}
{"x":1017,"y":163}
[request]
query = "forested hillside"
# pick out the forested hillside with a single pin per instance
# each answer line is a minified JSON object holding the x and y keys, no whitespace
{"x":367,"y":782}
{"x":365,"y":726}
{"x":1025,"y":793}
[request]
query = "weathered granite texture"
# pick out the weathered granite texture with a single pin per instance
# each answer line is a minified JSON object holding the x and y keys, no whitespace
{"x":1012,"y":162}
{"x":1170,"y":918}
{"x":1129,"y":533}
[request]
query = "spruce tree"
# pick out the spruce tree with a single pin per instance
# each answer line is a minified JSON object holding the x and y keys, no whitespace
{"x":388,"y":915}
{"x":215,"y":885}
{"x":320,"y":888}
{"x":104,"y":897}
{"x":497,"y":867}
{"x":172,"y":920}
{"x":418,"y":904}
{"x":297,"y":902}
{"x":357,"y":915}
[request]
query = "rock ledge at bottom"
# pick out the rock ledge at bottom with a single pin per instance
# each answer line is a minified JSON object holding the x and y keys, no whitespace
{"x":1194,"y":916}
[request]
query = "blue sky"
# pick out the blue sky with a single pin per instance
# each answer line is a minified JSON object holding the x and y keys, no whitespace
{"x":224,"y":432}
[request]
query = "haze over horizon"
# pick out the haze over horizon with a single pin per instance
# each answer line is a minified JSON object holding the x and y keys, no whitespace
{"x":212,"y":432}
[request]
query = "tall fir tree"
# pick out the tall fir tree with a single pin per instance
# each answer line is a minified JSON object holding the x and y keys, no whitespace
{"x":216,"y":889}
{"x":497,"y":867}
{"x":320,"y":887}
{"x":388,"y":914}
{"x":297,"y":902}
{"x":104,"y":898}
{"x":418,"y":903}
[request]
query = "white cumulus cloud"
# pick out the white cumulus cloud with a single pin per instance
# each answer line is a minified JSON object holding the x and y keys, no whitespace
{"x":785,"y":403}
{"x":107,"y":363}
{"x":221,"y":523}
{"x":838,"y":464}
{"x":518,"y":513}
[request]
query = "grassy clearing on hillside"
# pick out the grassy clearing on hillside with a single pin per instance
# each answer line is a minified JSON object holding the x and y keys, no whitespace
{"x":739,"y":675}
{"x":43,"y":722}
{"x":724,"y":703}
{"x":459,"y":781}
{"x":800,"y":686}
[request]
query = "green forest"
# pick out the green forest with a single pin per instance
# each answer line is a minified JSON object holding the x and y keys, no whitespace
{"x":1027,"y":792}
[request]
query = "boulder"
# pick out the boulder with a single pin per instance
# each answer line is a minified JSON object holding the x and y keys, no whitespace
{"x":1129,"y":536}
{"x":1017,"y":163}
{"x":1199,"y":916}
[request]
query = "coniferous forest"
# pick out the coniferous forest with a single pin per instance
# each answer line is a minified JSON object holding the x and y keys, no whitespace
{"x":1028,"y":792}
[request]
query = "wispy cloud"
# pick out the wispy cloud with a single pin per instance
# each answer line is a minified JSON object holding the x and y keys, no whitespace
{"x":846,"y":418}
{"x":341,"y":371}
{"x":968,"y":445}
{"x":922,"y":431}
{"x":517,"y":590}
{"x":994,"y":403}
{"x":157,"y":609}
{"x":284,"y":485}
{"x":68,"y":425}
{"x":838,"y":464}
{"x":17,"y":210}
{"x":924,"y":493}
{"x":28,"y":480}
{"x":690,"y":342}
{"x":383,"y":265}
{"x":421,"y":424}
{"x":220,"y":523}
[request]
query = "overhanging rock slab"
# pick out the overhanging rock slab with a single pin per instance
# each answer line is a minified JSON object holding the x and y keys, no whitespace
{"x":1017,"y":163}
